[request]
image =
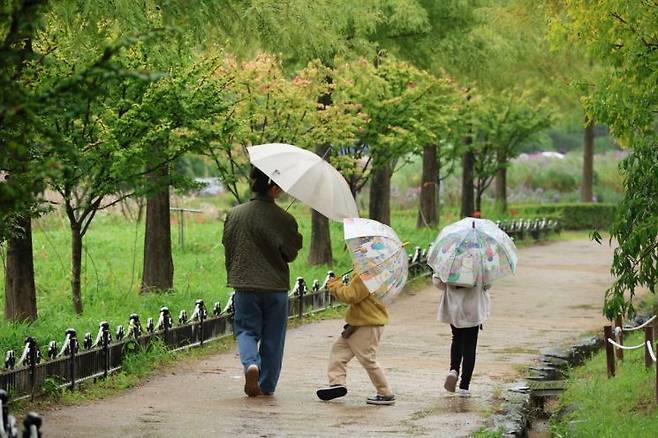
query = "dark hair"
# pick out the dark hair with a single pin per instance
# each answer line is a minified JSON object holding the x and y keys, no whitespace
{"x":260,"y":183}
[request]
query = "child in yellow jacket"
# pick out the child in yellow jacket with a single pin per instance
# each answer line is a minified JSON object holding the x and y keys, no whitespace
{"x":366,"y":318}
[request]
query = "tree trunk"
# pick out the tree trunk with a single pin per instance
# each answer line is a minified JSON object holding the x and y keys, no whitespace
{"x":467,"y":181}
{"x":76,"y":266}
{"x":478,"y":200}
{"x":427,"y":212}
{"x":20,"y":292}
{"x":158,"y":273}
{"x":380,"y":194}
{"x":320,"y":251}
{"x":501,"y":188}
{"x":586,"y":194}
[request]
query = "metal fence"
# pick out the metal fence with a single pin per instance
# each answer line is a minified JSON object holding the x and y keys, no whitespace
{"x":92,"y":358}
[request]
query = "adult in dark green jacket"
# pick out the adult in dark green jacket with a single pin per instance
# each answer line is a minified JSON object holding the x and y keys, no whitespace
{"x":260,"y":239}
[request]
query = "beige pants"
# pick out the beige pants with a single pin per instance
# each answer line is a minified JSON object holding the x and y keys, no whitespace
{"x":363,"y":344}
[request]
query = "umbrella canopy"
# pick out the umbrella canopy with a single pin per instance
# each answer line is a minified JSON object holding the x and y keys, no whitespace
{"x":379,"y":257}
{"x":307,"y":177}
{"x":470,"y":250}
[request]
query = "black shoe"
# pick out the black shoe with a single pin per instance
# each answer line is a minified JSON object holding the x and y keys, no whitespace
{"x":331,"y":392}
{"x":381,"y":400}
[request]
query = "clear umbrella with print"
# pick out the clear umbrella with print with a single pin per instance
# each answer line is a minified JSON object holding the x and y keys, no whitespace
{"x":378,"y":255}
{"x":472,"y":250}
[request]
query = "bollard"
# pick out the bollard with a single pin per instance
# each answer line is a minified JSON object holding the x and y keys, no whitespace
{"x":609,"y":350}
{"x":648,"y":337}
{"x":217,"y":309}
{"x":32,"y":424}
{"x":150,"y":326}
{"x":182,"y":317}
{"x":120,"y":332}
{"x":620,"y":340}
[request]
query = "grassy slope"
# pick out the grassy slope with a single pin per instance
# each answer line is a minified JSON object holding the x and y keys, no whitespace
{"x":624,"y":406}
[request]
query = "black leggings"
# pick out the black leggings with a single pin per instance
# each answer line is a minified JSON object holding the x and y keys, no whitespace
{"x":462,"y":349}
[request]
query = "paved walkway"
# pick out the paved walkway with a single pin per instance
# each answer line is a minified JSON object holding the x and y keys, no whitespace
{"x":554,"y":298}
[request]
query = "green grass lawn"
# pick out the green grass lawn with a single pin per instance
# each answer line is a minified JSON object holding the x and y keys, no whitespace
{"x":112,"y":267}
{"x":624,"y":406}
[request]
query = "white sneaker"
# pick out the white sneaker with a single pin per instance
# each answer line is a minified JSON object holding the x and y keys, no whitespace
{"x":451,"y":381}
{"x":463,"y":392}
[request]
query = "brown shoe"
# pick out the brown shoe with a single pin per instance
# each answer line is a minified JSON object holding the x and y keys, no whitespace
{"x":251,"y":386}
{"x":451,"y":381}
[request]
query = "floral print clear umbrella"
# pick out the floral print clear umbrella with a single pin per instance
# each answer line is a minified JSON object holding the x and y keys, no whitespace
{"x":470,"y":251}
{"x":378,"y":255}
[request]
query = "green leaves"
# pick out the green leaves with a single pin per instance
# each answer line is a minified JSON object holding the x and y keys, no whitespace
{"x":625,"y":36}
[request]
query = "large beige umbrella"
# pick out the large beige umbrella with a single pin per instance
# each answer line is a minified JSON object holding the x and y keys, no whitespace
{"x":307,"y":177}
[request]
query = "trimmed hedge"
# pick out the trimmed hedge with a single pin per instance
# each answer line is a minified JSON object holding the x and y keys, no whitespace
{"x":590,"y":216}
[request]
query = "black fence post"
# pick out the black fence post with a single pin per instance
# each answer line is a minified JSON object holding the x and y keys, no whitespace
{"x":330,"y":277}
{"x":52,"y":350}
{"x":648,"y":343}
{"x":134,"y":326}
{"x":105,"y":339}
{"x":164,"y":323}
{"x":609,"y":351}
{"x":182,"y":317}
{"x":32,"y":425}
{"x":10,"y":360}
{"x":300,"y":290}
{"x":72,"y":341}
{"x":315,"y":290}
{"x":4,"y":407}
{"x":8,"y":425}
{"x":199,"y":315}
{"x":29,"y":358}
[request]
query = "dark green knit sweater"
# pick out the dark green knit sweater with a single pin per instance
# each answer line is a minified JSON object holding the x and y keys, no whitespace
{"x":260,"y":239}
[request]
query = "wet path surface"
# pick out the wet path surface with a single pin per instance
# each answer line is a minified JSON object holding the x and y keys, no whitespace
{"x":555,"y":297}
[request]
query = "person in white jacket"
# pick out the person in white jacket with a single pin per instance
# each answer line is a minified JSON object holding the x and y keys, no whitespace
{"x":465,"y":309}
